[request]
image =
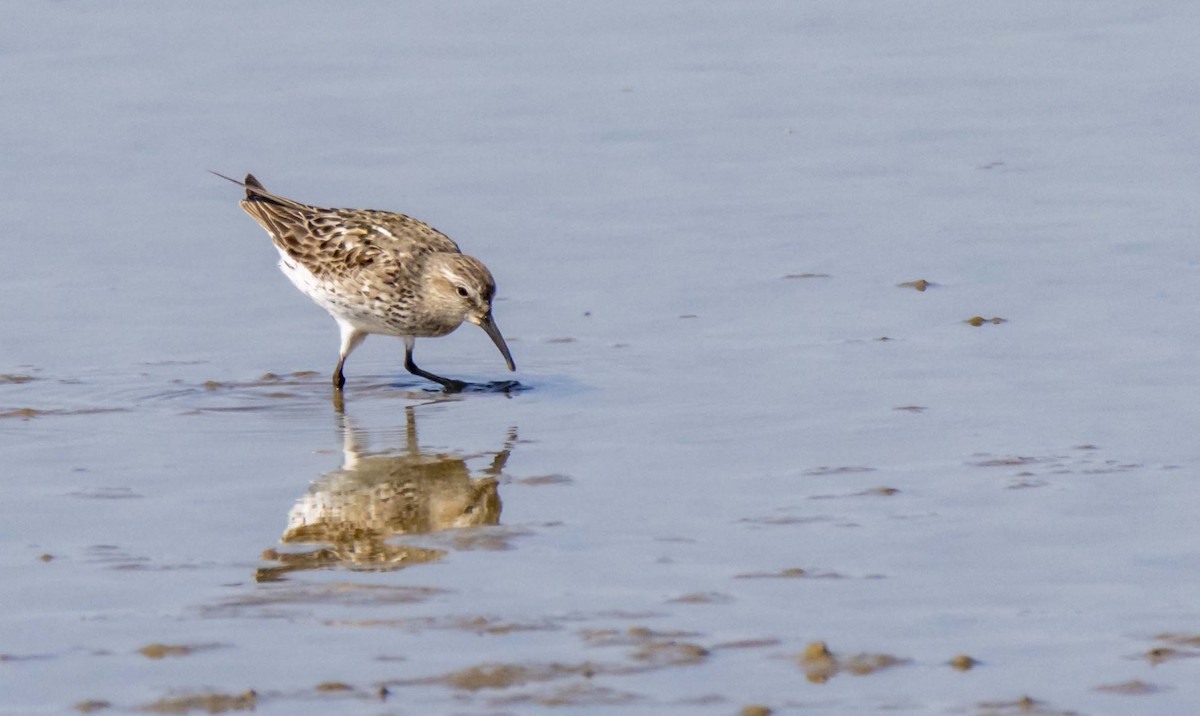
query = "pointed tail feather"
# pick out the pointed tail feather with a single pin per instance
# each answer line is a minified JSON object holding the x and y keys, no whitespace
{"x":255,"y":191}
{"x":249,"y":179}
{"x":252,"y":183}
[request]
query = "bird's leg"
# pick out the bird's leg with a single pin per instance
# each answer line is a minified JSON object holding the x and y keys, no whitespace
{"x":451,"y":385}
{"x":351,"y":337}
{"x":339,"y":379}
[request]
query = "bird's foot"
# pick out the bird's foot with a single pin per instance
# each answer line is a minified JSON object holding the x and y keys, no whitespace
{"x":506,"y":387}
{"x":449,"y":385}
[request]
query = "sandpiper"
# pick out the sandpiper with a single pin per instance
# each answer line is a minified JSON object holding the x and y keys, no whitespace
{"x":377,"y":272}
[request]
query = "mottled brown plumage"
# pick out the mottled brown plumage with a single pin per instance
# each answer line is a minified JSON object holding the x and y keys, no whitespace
{"x":377,"y":272}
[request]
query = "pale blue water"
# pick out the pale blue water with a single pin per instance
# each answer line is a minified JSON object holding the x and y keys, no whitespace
{"x":640,"y":179}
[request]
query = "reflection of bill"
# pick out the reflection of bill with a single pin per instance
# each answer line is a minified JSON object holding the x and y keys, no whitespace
{"x":352,"y":512}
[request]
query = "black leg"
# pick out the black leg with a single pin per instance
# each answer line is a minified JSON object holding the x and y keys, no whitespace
{"x":451,"y":385}
{"x":339,"y":380}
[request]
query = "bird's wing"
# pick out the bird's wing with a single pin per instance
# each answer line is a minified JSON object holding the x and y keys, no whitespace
{"x":340,"y":241}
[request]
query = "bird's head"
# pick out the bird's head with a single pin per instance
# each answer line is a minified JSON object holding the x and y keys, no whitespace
{"x":460,"y":288}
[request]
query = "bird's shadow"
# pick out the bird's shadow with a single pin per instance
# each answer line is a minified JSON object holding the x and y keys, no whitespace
{"x":504,"y":387}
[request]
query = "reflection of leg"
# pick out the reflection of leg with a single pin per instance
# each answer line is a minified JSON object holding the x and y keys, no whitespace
{"x":410,"y":431}
{"x":451,"y":385}
{"x":351,"y":337}
{"x":354,"y":440}
{"x":501,"y":458}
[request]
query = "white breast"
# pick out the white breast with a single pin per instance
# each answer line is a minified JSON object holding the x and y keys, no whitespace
{"x":355,"y":308}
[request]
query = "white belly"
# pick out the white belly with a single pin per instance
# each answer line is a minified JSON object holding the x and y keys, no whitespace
{"x":357,"y":309}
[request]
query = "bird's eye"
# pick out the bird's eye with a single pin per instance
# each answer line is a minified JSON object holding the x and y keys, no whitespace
{"x":462,"y":291}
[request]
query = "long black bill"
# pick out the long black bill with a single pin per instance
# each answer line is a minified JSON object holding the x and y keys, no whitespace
{"x":489,"y":327}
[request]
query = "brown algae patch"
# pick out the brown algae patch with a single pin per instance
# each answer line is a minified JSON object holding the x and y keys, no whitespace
{"x":213,"y":703}
{"x":30,"y":413}
{"x":92,"y":705}
{"x":790,"y":573}
{"x":1024,"y":706}
{"x":755,"y":710}
{"x":1134,"y":687}
{"x":633,"y":636}
{"x":911,"y":408}
{"x":820,"y":664}
{"x":980,"y":320}
{"x":702,"y":598}
{"x":1176,"y":645}
{"x":24,"y":413}
{"x":1159,"y":654}
{"x":817,"y":662}
{"x":920,"y":284}
{"x":500,"y":675}
{"x":15,"y":378}
{"x":962,"y":662}
{"x":333,"y":686}
{"x":652,"y":650}
{"x":670,"y":653}
{"x":806,"y":275}
{"x":155,"y":650}
{"x":881,"y":491}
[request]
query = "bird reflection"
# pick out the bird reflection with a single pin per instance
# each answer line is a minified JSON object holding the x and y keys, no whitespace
{"x":349,"y":514}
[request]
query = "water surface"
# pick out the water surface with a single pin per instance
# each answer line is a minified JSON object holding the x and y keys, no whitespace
{"x":749,"y":465}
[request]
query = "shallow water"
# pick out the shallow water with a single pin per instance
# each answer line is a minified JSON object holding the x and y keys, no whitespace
{"x":738,"y":434}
